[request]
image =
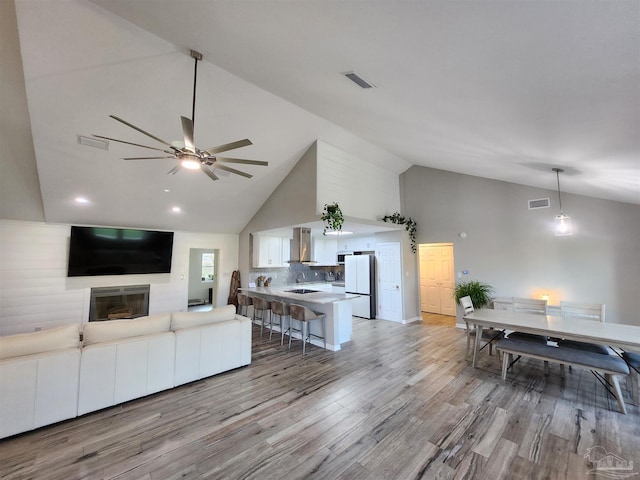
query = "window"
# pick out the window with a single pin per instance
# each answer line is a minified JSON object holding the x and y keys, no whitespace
{"x":208,"y":267}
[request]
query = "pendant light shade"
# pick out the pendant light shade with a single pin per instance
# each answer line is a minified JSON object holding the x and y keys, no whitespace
{"x":562,"y":222}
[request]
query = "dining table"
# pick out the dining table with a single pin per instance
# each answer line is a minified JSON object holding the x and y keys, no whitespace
{"x":622,"y":336}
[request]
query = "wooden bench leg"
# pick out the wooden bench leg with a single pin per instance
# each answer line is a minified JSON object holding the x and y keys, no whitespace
{"x":613,"y":381}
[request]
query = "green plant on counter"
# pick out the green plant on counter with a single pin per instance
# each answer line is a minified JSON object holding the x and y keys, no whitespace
{"x":332,"y":217}
{"x":410,"y":225}
{"x":479,"y":292}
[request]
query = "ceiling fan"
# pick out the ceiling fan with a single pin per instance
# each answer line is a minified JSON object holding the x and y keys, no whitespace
{"x":189,"y":156}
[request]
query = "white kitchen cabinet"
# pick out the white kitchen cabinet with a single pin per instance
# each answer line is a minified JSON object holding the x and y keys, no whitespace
{"x":358,"y":244}
{"x":324,"y":251}
{"x":270,"y":251}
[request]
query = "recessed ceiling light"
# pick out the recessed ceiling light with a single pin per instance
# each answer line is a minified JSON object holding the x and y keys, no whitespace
{"x":81,"y":200}
{"x":176,"y":209}
{"x":338,"y":232}
{"x":166,"y":190}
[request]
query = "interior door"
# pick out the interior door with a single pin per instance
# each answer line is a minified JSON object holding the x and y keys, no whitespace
{"x":437,"y":279}
{"x":390,"y":282}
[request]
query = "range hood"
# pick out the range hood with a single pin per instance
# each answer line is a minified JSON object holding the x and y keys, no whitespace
{"x":301,"y":246}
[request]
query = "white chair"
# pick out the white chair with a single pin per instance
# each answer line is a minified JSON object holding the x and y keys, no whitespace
{"x":529,"y":305}
{"x":585,"y":311}
{"x":588,"y":311}
{"x":489,"y":335}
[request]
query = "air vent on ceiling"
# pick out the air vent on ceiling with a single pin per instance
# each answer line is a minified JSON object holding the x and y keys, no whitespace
{"x":358,"y":80}
{"x":539,"y":203}
{"x":93,"y":142}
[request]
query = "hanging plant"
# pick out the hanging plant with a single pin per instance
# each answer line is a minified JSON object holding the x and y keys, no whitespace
{"x":410,"y":225}
{"x":332,"y":217}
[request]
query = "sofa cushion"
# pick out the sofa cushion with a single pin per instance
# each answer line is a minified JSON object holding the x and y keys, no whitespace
{"x":67,"y":336}
{"x":98,"y":332}
{"x":194,"y":319}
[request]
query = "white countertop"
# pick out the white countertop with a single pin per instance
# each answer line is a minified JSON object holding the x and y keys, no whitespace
{"x":314,"y":297}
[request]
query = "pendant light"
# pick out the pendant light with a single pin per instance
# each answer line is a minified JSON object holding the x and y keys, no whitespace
{"x":562,"y":222}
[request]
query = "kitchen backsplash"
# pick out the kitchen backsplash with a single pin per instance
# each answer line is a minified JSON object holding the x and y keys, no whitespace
{"x":298,"y":273}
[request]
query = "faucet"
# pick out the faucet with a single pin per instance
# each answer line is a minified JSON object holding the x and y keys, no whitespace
{"x":298,"y":277}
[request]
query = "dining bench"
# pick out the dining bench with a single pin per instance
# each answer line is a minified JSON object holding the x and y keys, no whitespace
{"x":609,"y":366}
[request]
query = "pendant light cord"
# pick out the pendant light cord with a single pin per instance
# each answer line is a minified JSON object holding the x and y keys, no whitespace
{"x":558,"y":170}
{"x":193,"y":107}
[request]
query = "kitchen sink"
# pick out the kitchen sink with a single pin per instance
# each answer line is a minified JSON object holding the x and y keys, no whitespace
{"x":302,"y":290}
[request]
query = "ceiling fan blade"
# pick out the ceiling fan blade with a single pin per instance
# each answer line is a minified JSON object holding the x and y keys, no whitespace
{"x":231,"y":170}
{"x":129,"y":143}
{"x":146,"y":158}
{"x":146,"y":133}
{"x":209,"y":173}
{"x":187,"y":130}
{"x":174,"y":170}
{"x":229,"y":146}
{"x":242,"y":160}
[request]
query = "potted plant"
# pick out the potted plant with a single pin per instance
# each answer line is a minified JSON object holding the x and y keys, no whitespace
{"x":332,"y":217}
{"x":479,"y":292}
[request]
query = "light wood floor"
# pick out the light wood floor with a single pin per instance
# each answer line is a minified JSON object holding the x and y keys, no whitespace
{"x":399,"y":401}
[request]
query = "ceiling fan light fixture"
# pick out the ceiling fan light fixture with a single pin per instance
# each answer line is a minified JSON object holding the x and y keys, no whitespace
{"x":190,"y":164}
{"x":185,"y":151}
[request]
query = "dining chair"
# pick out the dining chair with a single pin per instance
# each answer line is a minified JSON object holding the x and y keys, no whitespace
{"x":584,"y":311}
{"x":529,"y":305}
{"x":489,"y":335}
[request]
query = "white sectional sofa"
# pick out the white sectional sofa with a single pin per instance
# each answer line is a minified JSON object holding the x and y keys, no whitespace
{"x":49,"y":376}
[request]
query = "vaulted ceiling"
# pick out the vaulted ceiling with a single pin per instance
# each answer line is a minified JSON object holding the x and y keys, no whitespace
{"x":503,"y":90}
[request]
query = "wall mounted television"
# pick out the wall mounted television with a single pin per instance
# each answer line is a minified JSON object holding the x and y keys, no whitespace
{"x":117,"y":251}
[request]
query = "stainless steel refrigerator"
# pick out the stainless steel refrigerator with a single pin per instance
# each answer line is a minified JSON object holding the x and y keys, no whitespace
{"x":360,"y":279}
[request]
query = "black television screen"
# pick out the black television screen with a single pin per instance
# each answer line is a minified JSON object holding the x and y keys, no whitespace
{"x":118,"y":251}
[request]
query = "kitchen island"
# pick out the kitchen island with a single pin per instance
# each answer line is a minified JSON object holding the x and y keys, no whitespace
{"x":336,"y":307}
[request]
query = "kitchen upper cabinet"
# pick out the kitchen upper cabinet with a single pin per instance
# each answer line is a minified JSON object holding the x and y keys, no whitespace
{"x":270,"y":251}
{"x":358,"y":244}
{"x":325,"y":250}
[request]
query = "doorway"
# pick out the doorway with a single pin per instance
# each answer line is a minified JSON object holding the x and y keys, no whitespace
{"x":203,"y":277}
{"x":437,"y":278}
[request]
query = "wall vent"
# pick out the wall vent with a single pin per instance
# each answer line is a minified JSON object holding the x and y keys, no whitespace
{"x":93,"y":142}
{"x":539,"y":203}
{"x":358,"y":80}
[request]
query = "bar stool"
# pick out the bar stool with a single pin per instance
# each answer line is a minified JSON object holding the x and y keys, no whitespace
{"x":261,"y":306}
{"x":305,"y":316}
{"x":280,"y":309}
{"x":244,"y":302}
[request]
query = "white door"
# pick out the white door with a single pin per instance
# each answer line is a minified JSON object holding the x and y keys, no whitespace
{"x":437,"y":279}
{"x":389,"y":281}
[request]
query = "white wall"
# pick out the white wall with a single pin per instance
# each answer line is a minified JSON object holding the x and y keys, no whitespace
{"x":514,"y":249}
{"x":36,"y":292}
{"x":363,"y":190}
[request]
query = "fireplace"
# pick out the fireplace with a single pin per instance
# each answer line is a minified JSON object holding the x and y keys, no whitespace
{"x":111,"y":303}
